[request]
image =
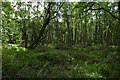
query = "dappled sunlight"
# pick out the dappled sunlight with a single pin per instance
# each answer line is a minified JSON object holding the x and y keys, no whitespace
{"x":15,"y":47}
{"x":50,"y":63}
{"x":60,"y":40}
{"x":19,"y":48}
{"x":94,"y":75}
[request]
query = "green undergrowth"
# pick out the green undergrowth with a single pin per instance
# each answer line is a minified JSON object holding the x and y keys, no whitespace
{"x":87,"y":62}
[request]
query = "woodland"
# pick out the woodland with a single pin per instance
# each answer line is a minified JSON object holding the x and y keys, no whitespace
{"x":60,"y":39}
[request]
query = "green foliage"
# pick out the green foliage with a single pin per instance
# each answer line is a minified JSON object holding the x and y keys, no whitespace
{"x":69,"y":23}
{"x":78,"y":42}
{"x":54,"y":63}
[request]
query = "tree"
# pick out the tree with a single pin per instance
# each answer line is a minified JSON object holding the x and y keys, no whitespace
{"x":59,"y":22}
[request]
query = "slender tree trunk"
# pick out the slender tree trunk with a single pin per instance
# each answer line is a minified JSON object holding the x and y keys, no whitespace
{"x":68,"y":27}
{"x":24,"y":32}
{"x":75,"y":36}
{"x":24,"y":35}
{"x":119,"y":24}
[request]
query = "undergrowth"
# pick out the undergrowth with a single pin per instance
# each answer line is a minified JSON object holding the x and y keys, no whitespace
{"x":92,"y":62}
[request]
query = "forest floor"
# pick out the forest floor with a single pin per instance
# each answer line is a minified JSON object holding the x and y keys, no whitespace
{"x":89,"y":62}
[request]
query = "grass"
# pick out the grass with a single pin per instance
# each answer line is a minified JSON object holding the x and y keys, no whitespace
{"x":92,"y":62}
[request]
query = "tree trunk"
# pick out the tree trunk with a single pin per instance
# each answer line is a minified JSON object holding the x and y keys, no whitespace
{"x":24,"y":36}
{"x":46,"y":22}
{"x":118,"y":24}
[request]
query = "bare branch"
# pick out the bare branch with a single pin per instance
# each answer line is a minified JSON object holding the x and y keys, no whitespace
{"x":57,"y":10}
{"x":104,"y":10}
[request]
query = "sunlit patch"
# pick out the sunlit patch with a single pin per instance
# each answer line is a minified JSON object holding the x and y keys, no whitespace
{"x":113,"y":46}
{"x":20,"y":48}
{"x":93,"y":75}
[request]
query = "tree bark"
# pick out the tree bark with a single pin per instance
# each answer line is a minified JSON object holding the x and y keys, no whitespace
{"x":119,"y":23}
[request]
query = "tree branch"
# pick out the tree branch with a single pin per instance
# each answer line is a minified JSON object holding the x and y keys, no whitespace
{"x":46,"y":22}
{"x":57,"y":10}
{"x":104,"y":10}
